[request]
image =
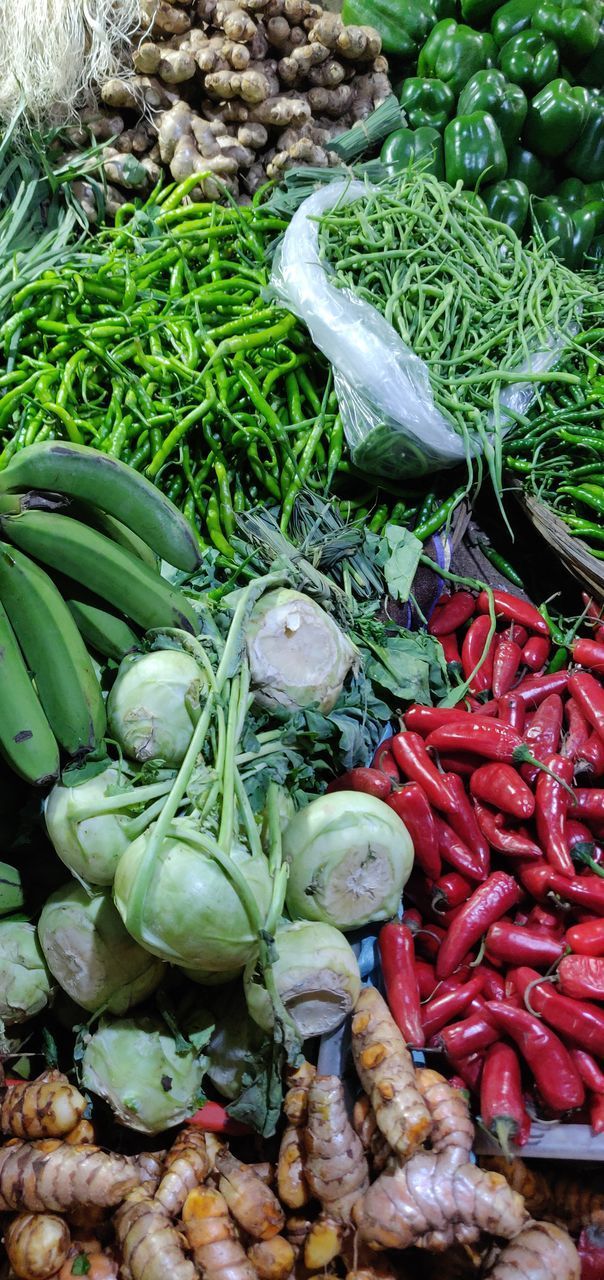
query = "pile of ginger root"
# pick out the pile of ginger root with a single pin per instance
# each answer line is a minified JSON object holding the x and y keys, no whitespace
{"x":234,"y":90}
{"x":389,"y":1196}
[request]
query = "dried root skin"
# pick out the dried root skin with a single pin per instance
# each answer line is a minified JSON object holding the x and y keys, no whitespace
{"x":37,"y":1245}
{"x":253,"y":1205}
{"x":53,"y":1176}
{"x":186,"y":1166}
{"x":386,"y":1072}
{"x":272,"y":1259}
{"x":428,"y":1194}
{"x":336,"y":1167}
{"x":212,"y":1237}
{"x":151,"y":1247}
{"x":540,"y":1252}
{"x":41,"y":1109}
{"x":452,"y":1128}
{"x":291,"y":1180}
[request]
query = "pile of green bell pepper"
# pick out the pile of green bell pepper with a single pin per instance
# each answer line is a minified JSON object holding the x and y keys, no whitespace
{"x":507,"y":99}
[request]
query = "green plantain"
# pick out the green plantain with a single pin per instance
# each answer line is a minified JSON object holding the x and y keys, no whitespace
{"x":109,"y":635}
{"x":27,"y":741}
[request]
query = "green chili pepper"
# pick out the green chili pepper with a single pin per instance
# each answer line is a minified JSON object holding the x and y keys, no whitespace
{"x":499,"y":562}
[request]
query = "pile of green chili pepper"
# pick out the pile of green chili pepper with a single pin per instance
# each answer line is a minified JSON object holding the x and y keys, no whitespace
{"x":560,"y":458}
{"x":462,"y":293}
{"x":160,"y":349}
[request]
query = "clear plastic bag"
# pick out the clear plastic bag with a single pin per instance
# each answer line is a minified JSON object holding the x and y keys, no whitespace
{"x":393,"y":426}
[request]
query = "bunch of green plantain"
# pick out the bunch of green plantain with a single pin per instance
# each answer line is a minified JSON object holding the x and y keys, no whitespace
{"x":101,"y":530}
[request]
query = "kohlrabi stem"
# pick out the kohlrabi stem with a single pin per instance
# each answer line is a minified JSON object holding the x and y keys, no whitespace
{"x":280,"y":1013}
{"x":245,"y":808}
{"x":116,"y":804}
{"x":275,"y":910}
{"x":136,"y":826}
{"x":227,"y":814}
{"x":275,"y":855}
{"x":270,"y":749}
{"x":192,"y":646}
{"x":244,"y":698}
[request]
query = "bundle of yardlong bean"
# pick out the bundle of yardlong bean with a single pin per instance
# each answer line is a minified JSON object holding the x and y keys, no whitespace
{"x":460,"y":290}
{"x":164,"y":353}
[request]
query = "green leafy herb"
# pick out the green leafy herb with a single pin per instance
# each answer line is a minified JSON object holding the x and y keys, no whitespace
{"x":399,"y":554}
{"x":49,"y":1049}
{"x":80,"y":1265}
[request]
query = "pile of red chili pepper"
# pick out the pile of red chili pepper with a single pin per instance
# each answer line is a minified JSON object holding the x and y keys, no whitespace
{"x":499,"y":960}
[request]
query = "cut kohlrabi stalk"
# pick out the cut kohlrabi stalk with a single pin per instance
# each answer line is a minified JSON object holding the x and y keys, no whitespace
{"x":317,"y":977}
{"x":298,"y":655}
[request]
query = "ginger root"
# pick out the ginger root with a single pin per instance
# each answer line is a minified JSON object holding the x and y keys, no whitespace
{"x":51,"y":1175}
{"x":37,"y":1245}
{"x":540,"y":1252}
{"x":151,"y":1247}
{"x":385,"y":1069}
{"x":253,"y":1205}
{"x":45,"y":1108}
{"x":212,"y":1237}
{"x":186,"y":1166}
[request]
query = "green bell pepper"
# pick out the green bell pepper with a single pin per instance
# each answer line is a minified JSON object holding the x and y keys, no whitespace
{"x":508,"y":201}
{"x":427,"y":103}
{"x":407,"y":147}
{"x":530,"y":169}
{"x":512,"y":18}
{"x":454,"y":52}
{"x":592,"y":71}
{"x":555,"y":119}
{"x":474,"y":150}
{"x":489,"y":91}
{"x":572,"y":24}
{"x":477,"y":12}
{"x":530,"y":61}
{"x":403,"y":28}
{"x":596,"y":251}
{"x":573,"y":193}
{"x":569,"y":234}
{"x":586,"y":159}
{"x":472,"y":197}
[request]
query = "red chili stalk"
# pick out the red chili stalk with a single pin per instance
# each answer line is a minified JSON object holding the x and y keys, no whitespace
{"x":502,"y":1108}
{"x":551,"y":809}
{"x":488,"y":903}
{"x":554,"y":1072}
{"x":513,"y":944}
{"x":501,"y":786}
{"x":516,"y":610}
{"x":412,"y":806}
{"x":397,"y":956}
{"x":414,"y":762}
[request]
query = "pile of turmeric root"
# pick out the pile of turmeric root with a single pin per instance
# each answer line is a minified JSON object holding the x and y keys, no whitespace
{"x":238,"y":90}
{"x":345,"y":1200}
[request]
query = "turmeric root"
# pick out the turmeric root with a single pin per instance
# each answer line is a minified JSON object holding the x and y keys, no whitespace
{"x":374,"y":1143}
{"x":540,"y":1252}
{"x":323,"y":1243}
{"x":186,"y":1166}
{"x":51,"y":1175}
{"x":452,"y":1128}
{"x":272,"y":1259}
{"x":557,"y":1196}
{"x":386,"y":1072}
{"x":253,"y":1205}
{"x":37,"y":1245}
{"x":151,"y":1247}
{"x":336,"y":1167}
{"x":212,"y":1237}
{"x":528,"y":1182}
{"x":429,"y":1195}
{"x":99,"y":1266}
{"x":41,"y":1109}
{"x":82,"y":1134}
{"x":291,"y":1181}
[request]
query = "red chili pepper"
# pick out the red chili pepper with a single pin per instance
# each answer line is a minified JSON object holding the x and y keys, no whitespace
{"x":555,"y":1074}
{"x":488,"y":709}
{"x":534,"y":689}
{"x":457,"y":855}
{"x":588,"y":692}
{"x":462,"y":765}
{"x":469,"y":1070}
{"x":512,"y":711}
{"x":591,"y":1074}
{"x":578,"y":730}
{"x":414,"y":762}
{"x":514,"y":632}
{"x":502,"y":1108}
{"x":576,"y":1020}
{"x":535,"y":652}
{"x":413,"y":920}
{"x":450,"y":890}
{"x":588,"y":653}
{"x":590,"y":758}
{"x":545,"y":921}
{"x":463,"y":821}
{"x":588,"y":804}
{"x":472,"y":1035}
{"x":450,"y":648}
{"x":596,"y":1113}
{"x":512,"y":841}
{"x":594,"y":612}
{"x":423,"y":720}
{"x":542,"y":738}
{"x":582,"y":977}
{"x":428,"y":940}
{"x":551,"y":808}
{"x":585,"y":891}
{"x":493,"y":986}
{"x":426,"y":979}
{"x":458,"y":609}
{"x":370,"y":781}
{"x":397,"y":956}
{"x":445,"y":1006}
{"x":599,"y":635}
{"x":506,"y":662}
{"x":516,"y":610}
{"x":412,"y":806}
{"x":514,"y":944}
{"x":385,"y":762}
{"x":586,"y":939}
{"x":487,"y":738}
{"x":591,"y":1252}
{"x":579,"y":834}
{"x":501,"y":786}
{"x":214,"y":1118}
{"x":488,"y":903}
{"x":472,"y":651}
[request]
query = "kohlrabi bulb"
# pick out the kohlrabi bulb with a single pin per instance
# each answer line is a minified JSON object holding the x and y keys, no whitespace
{"x":298,"y":655}
{"x":89,"y":843}
{"x":25,"y":983}
{"x":91,"y":954}
{"x":152,"y":705}
{"x":316,"y":974}
{"x":149,"y":1081}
